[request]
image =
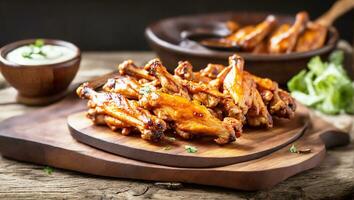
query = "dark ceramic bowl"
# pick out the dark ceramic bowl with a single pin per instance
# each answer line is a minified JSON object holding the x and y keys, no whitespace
{"x":39,"y":84}
{"x":166,"y":39}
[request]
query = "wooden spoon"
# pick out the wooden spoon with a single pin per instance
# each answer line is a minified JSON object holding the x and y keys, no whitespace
{"x":338,"y":9}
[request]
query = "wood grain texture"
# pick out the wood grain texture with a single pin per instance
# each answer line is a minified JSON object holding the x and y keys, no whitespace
{"x":254,"y":143}
{"x":45,"y":139}
{"x":334,"y":177}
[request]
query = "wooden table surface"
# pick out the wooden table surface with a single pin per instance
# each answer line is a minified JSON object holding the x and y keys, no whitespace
{"x":333,"y":179}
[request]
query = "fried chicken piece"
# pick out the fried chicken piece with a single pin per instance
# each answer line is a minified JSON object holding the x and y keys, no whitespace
{"x":232,"y":26}
{"x":218,"y":82}
{"x":206,"y":99}
{"x":192,"y":81}
{"x":125,"y":111}
{"x":280,"y":103}
{"x":284,"y":38}
{"x":195,"y":88}
{"x":250,"y":36}
{"x":230,"y":109}
{"x":261,"y":48}
{"x":197,"y":85}
{"x":169,"y":83}
{"x":217,"y":112}
{"x":312,"y":38}
{"x":124,"y":85}
{"x":258,"y":114}
{"x":212,"y":70}
{"x":243,"y":91}
{"x":235,"y":84}
{"x":190,"y":117}
{"x":185,"y":71}
{"x":215,"y":101}
{"x":175,"y":85}
{"x":129,"y":68}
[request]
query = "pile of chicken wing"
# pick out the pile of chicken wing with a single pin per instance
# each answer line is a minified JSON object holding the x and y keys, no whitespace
{"x":268,"y":37}
{"x":216,"y":101}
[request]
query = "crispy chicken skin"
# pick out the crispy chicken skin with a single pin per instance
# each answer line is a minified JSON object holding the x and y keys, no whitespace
{"x":129,"y":68}
{"x":280,"y":103}
{"x":232,"y":25}
{"x":169,"y":83}
{"x":190,"y":116}
{"x":284,"y":38}
{"x":312,"y":38}
{"x":125,"y":111}
{"x":216,"y":101}
{"x":270,"y":37}
{"x":185,"y":71}
{"x":175,"y":85}
{"x":243,"y":91}
{"x":124,"y":85}
{"x":250,"y":36}
{"x":212,"y":70}
{"x":238,"y":87}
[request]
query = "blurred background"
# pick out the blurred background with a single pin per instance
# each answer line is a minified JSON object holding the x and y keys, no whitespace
{"x":119,"y":24}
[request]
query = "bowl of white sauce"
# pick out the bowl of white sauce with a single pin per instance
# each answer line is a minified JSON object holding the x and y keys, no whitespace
{"x":40,"y":69}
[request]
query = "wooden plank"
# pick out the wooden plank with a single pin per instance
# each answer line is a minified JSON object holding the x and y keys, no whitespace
{"x":19,"y":180}
{"x":254,"y":143}
{"x":45,"y":139}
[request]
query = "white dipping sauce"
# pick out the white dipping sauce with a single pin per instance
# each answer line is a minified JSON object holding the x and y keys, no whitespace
{"x":51,"y":54}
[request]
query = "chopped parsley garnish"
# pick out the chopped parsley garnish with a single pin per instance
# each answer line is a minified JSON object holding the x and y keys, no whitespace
{"x":48,"y":170}
{"x":293,"y":149}
{"x":190,"y":149}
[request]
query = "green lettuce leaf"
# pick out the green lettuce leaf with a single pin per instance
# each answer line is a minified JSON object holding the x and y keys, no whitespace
{"x":297,"y":83}
{"x":306,"y":99}
{"x":316,"y":65}
{"x":336,"y":57}
{"x":329,"y":78}
{"x":326,"y":86}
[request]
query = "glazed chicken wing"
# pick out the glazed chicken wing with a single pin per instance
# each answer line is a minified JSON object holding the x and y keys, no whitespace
{"x":284,"y":38}
{"x":250,"y":36}
{"x":129,"y":68}
{"x":235,"y":84}
{"x":124,"y":85}
{"x":312,"y":38}
{"x":243,"y":91}
{"x":258,"y":114}
{"x":175,"y":85}
{"x":216,"y":101}
{"x":267,"y":37}
{"x":127,"y":113}
{"x":212,"y":70}
{"x":190,"y":117}
{"x":169,"y":83}
{"x":185,"y":71}
{"x":280,"y":103}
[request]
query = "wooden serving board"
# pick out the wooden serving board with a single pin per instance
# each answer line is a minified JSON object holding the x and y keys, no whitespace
{"x":253,"y":144}
{"x":43,"y":137}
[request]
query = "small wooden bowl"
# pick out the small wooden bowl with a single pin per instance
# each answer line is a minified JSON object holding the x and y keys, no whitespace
{"x":41,"y":84}
{"x":166,"y":40}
